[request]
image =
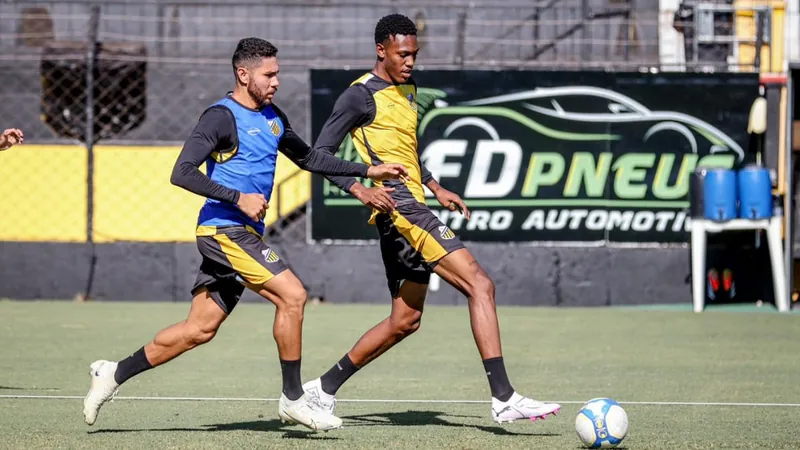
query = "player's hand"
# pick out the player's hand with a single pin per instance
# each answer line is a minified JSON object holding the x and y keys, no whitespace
{"x":254,"y":205}
{"x":387,"y":172}
{"x":377,"y":198}
{"x":452,"y":201}
{"x":10,"y":137}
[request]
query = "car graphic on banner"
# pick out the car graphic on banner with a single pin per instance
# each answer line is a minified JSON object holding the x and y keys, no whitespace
{"x":557,"y":112}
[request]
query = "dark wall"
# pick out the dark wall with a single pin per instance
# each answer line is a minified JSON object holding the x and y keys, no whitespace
{"x":524,"y":275}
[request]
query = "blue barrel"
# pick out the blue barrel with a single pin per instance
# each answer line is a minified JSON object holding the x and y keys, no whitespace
{"x":755,"y":193}
{"x":719,"y":195}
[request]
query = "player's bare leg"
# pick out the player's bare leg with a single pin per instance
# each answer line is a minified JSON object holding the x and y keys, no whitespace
{"x":287,"y":293}
{"x":289,"y":296}
{"x":404,"y":320}
{"x":205,"y":318}
{"x":202,"y":323}
{"x":462,"y":271}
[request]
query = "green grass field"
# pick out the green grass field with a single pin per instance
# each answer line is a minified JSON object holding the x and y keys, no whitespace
{"x":429,"y":392}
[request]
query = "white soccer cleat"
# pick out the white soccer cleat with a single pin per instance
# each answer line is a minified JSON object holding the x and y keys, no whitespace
{"x":300,"y":411}
{"x":104,"y":388}
{"x":318,"y":398}
{"x":519,"y":407}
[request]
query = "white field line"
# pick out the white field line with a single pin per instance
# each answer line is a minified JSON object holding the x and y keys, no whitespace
{"x":390,"y":401}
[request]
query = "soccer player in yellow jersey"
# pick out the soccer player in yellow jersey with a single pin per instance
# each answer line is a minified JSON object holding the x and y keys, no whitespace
{"x":379,"y":110}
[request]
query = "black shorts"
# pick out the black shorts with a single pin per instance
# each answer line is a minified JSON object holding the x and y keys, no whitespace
{"x":233,"y":255}
{"x":413,"y":241}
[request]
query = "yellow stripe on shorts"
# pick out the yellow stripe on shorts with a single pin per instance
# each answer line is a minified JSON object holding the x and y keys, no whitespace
{"x":251,"y":270}
{"x":420,"y":239}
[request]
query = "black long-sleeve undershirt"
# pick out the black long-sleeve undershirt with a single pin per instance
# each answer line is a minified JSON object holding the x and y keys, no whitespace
{"x":353,"y":109}
{"x":216,"y":132}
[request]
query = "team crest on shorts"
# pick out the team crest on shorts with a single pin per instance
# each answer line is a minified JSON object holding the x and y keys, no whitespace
{"x":446,"y":233}
{"x":270,"y":256}
{"x":274,"y":127}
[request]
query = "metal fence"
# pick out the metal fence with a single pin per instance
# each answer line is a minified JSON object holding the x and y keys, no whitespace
{"x":159,"y":64}
{"x":186,"y":46}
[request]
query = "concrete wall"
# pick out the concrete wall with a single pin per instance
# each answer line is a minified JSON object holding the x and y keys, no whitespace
{"x":523,"y":275}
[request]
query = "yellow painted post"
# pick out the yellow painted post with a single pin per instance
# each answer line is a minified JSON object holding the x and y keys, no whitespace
{"x":772,"y":52}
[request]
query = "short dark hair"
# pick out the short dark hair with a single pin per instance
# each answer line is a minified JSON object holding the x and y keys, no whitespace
{"x":250,"y":51}
{"x":394,"y":24}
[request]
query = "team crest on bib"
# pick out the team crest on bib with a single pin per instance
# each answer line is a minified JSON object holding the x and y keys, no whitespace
{"x":270,"y":256}
{"x":446,"y":233}
{"x":274,"y":127}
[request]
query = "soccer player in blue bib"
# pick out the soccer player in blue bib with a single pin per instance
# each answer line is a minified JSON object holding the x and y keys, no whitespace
{"x":239,"y":138}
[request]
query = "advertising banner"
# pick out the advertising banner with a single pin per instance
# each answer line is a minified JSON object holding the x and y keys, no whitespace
{"x":582,"y":157}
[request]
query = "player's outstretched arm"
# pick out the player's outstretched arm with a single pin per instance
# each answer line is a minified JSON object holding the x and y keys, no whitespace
{"x":353,"y":109}
{"x":10,"y":137}
{"x":214,"y":132}
{"x":325,"y":163}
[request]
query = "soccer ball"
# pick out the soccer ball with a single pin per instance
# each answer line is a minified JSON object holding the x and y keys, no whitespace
{"x":601,"y":423}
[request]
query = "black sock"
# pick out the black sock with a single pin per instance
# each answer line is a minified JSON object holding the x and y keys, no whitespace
{"x":337,"y":375}
{"x":292,"y":387}
{"x":498,"y":380}
{"x":131,"y":366}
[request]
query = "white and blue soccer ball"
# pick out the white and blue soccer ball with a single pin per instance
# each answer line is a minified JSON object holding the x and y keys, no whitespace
{"x":601,"y":423}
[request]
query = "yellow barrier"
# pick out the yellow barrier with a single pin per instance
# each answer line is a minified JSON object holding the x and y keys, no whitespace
{"x":43,"y":193}
{"x":293,"y":191}
{"x":771,"y":53}
{"x":134,"y":200}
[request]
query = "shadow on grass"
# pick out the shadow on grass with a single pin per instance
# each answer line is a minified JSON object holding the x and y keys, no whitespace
{"x":403,"y":419}
{"x":18,"y":388}
{"x":269,"y":426}
{"x":429,"y":418}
